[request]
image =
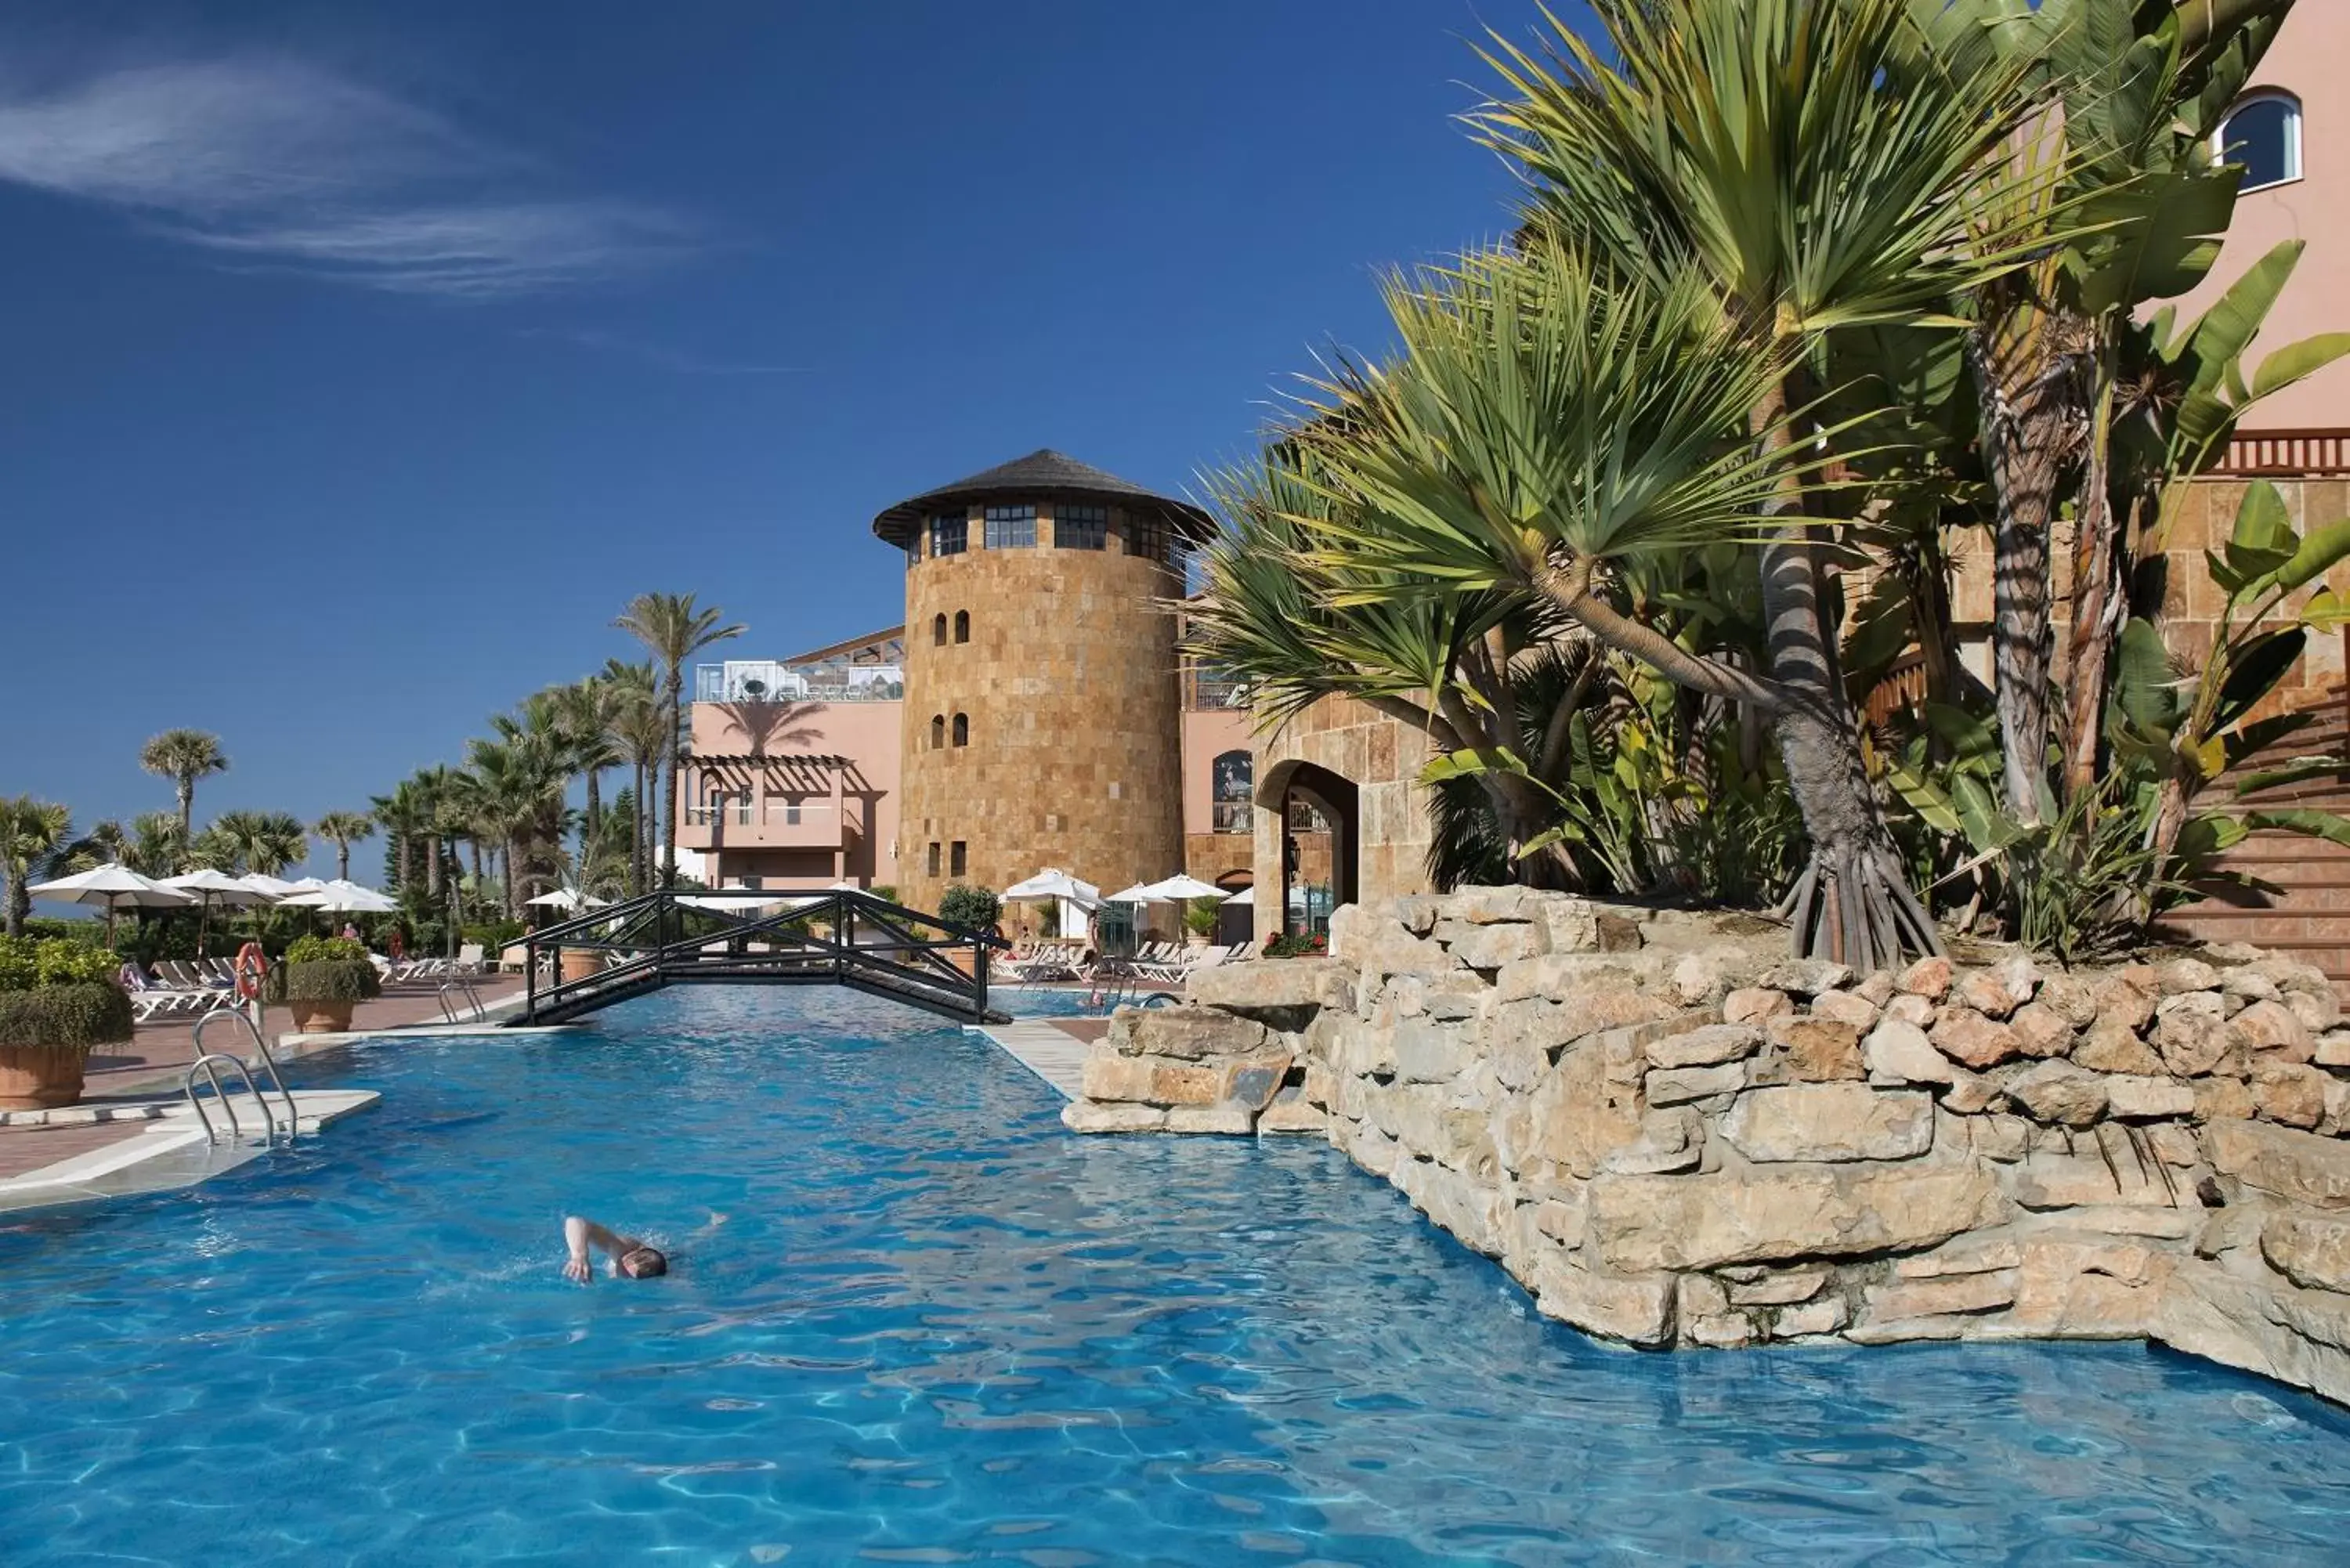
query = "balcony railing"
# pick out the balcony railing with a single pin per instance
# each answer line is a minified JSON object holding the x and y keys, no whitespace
{"x":1204,"y":692}
{"x":2293,"y":454}
{"x":753,"y":681}
{"x":1232,"y":816}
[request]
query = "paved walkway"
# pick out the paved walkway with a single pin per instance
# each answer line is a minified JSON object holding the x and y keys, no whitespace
{"x":1052,"y":1048}
{"x":151,"y":1064}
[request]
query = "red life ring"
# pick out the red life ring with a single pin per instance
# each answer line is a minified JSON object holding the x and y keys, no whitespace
{"x":251,"y":964}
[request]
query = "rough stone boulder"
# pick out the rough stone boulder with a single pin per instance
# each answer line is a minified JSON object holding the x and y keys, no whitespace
{"x":1190,"y":1034}
{"x":1283,"y":993}
{"x":1644,"y":1223}
{"x":1829,"y":1122}
{"x":2299,"y":1165}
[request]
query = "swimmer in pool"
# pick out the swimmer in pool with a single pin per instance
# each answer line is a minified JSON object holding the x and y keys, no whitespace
{"x":632,"y":1259}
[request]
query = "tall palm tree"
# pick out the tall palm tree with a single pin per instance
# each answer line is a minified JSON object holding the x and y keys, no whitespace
{"x":1846,"y":192}
{"x":157,"y":847}
{"x":585,"y":710}
{"x":640,"y":731}
{"x":672,"y":630}
{"x":184,"y":756}
{"x":343,"y":829}
{"x":403,"y":816}
{"x":32,"y":833}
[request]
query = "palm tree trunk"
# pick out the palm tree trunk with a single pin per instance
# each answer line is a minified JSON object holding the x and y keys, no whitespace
{"x":20,"y":901}
{"x":668,"y":795}
{"x":433,"y":865}
{"x":186,"y":786}
{"x":594,"y":818}
{"x":1852,"y":902}
{"x":637,"y":803}
{"x":2097,"y":599}
{"x":343,"y":858}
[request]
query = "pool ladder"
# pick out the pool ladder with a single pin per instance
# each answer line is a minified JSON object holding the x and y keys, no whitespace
{"x":209,"y":1063}
{"x":449,"y":1013}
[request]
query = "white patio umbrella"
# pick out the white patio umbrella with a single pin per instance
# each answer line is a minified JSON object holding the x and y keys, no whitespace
{"x":217,"y":888}
{"x":1053,"y":883}
{"x":1237,"y":894}
{"x":1185,"y":888}
{"x":1139,"y":893}
{"x":340,"y":898}
{"x":117,"y":886}
{"x":275,"y":887}
{"x":569,"y":899}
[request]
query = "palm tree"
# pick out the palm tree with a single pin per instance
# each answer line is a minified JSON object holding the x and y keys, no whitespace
{"x":258,"y":842}
{"x":638,"y":727}
{"x":1847,"y":194}
{"x":32,"y":834}
{"x":404,"y":818}
{"x":673,"y":630}
{"x":585,"y":710}
{"x":184,"y":756}
{"x":343,"y":829}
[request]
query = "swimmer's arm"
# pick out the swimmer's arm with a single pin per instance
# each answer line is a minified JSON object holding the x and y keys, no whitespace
{"x":579,"y":1235}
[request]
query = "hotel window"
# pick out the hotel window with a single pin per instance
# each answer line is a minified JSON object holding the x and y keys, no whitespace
{"x":933,"y":860}
{"x":962,"y":625}
{"x":1150,"y":537}
{"x":1081,"y":527}
{"x":938,"y":631}
{"x":1012,"y":528}
{"x":2261,"y":136}
{"x":963,"y":730}
{"x":938,"y":730}
{"x":957,"y":862}
{"x":950,"y":534}
{"x":791,"y":814}
{"x":913,"y":549}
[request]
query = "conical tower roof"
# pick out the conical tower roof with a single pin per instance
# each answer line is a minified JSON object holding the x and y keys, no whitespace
{"x":1042,"y":475}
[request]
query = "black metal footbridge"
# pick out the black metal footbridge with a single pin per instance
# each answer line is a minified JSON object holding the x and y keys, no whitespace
{"x":736,"y":936}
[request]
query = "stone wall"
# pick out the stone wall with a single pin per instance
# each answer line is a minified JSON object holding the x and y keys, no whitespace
{"x":1671,"y":1135}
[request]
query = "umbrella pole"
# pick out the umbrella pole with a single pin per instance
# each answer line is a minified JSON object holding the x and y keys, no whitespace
{"x":204,"y":925}
{"x":110,"y":919}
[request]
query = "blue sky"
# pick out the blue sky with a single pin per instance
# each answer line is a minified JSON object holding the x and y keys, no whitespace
{"x":361,"y":360}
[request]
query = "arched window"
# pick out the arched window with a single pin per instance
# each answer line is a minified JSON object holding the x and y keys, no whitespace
{"x":962,"y":625}
{"x":2261,"y":135}
{"x":939,"y":630}
{"x":938,"y":730}
{"x":1232,"y":787}
{"x":963,"y":730}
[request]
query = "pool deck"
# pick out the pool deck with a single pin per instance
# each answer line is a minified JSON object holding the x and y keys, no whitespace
{"x":1052,"y":1048}
{"x":132,"y":1132}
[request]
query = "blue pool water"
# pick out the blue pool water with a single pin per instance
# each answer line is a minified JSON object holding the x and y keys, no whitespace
{"x":932,"y":1328}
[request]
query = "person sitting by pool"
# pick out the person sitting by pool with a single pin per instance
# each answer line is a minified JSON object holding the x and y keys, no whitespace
{"x":632,"y":1259}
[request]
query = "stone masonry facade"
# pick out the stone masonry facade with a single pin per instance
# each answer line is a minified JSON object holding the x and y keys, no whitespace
{"x":1671,"y":1135}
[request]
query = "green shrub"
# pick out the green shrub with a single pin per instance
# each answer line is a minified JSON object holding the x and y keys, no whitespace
{"x":976,"y":908}
{"x":79,"y":1013}
{"x":497,"y":936}
{"x":26,"y":962}
{"x":318,"y":949}
{"x":1200,"y":919}
{"x":885,"y":891}
{"x":1313,"y":946}
{"x":324,"y":980}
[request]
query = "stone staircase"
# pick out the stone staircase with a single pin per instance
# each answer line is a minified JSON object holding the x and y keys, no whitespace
{"x":2305,"y":913}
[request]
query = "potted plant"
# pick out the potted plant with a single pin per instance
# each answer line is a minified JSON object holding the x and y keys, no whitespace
{"x":1200,"y":919}
{"x":322,"y":980}
{"x":975,"y":909}
{"x":57,"y":999}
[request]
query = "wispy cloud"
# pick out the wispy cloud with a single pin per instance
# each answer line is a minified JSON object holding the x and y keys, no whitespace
{"x":279,"y":162}
{"x":658,"y":355}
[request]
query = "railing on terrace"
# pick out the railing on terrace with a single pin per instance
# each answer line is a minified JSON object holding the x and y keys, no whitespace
{"x":1233,"y":816}
{"x":2293,"y":454}
{"x":1201,"y":691}
{"x":742,"y":936}
{"x":758,"y":681}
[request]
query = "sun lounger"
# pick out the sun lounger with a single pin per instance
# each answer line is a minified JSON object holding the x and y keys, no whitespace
{"x":151,"y":998}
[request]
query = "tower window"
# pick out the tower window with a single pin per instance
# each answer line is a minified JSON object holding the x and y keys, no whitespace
{"x":1081,"y":527}
{"x":1150,"y":537}
{"x":2261,"y":136}
{"x":938,"y":730}
{"x":962,"y":625}
{"x":963,"y":730}
{"x":938,"y":631}
{"x":1012,"y":528}
{"x":932,"y":860}
{"x":950,"y":534}
{"x":958,"y":861}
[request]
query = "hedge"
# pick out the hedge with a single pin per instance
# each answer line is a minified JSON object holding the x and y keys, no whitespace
{"x":86,"y":1014}
{"x":325,"y":980}
{"x":28,"y":962}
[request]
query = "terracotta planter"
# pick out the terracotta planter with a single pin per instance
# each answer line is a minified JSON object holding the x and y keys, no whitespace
{"x":41,"y":1077}
{"x":962,"y":959}
{"x":322,"y":1017}
{"x":581,"y":963}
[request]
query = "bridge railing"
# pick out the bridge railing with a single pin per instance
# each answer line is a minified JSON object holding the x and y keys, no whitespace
{"x":841,"y":934}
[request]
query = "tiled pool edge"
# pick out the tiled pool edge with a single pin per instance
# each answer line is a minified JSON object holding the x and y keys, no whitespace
{"x":167,"y":1153}
{"x":1053,"y":1055}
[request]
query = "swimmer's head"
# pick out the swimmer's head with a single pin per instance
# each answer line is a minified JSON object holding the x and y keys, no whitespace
{"x":643,"y":1263}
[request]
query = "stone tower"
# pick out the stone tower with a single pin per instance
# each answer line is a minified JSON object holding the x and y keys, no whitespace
{"x":1042,"y":725}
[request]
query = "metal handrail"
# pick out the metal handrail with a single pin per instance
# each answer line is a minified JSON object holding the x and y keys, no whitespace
{"x":466,"y":986}
{"x":212,"y":1066}
{"x":268,"y":1060}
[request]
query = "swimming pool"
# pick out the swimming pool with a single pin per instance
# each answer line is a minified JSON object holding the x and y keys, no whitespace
{"x":934,"y":1328}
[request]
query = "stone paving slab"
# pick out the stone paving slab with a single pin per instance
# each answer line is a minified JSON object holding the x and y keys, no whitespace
{"x":171,"y":1151}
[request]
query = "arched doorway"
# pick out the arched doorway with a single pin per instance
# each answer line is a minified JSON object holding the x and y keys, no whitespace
{"x":1235,"y":916}
{"x":1320,"y":841}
